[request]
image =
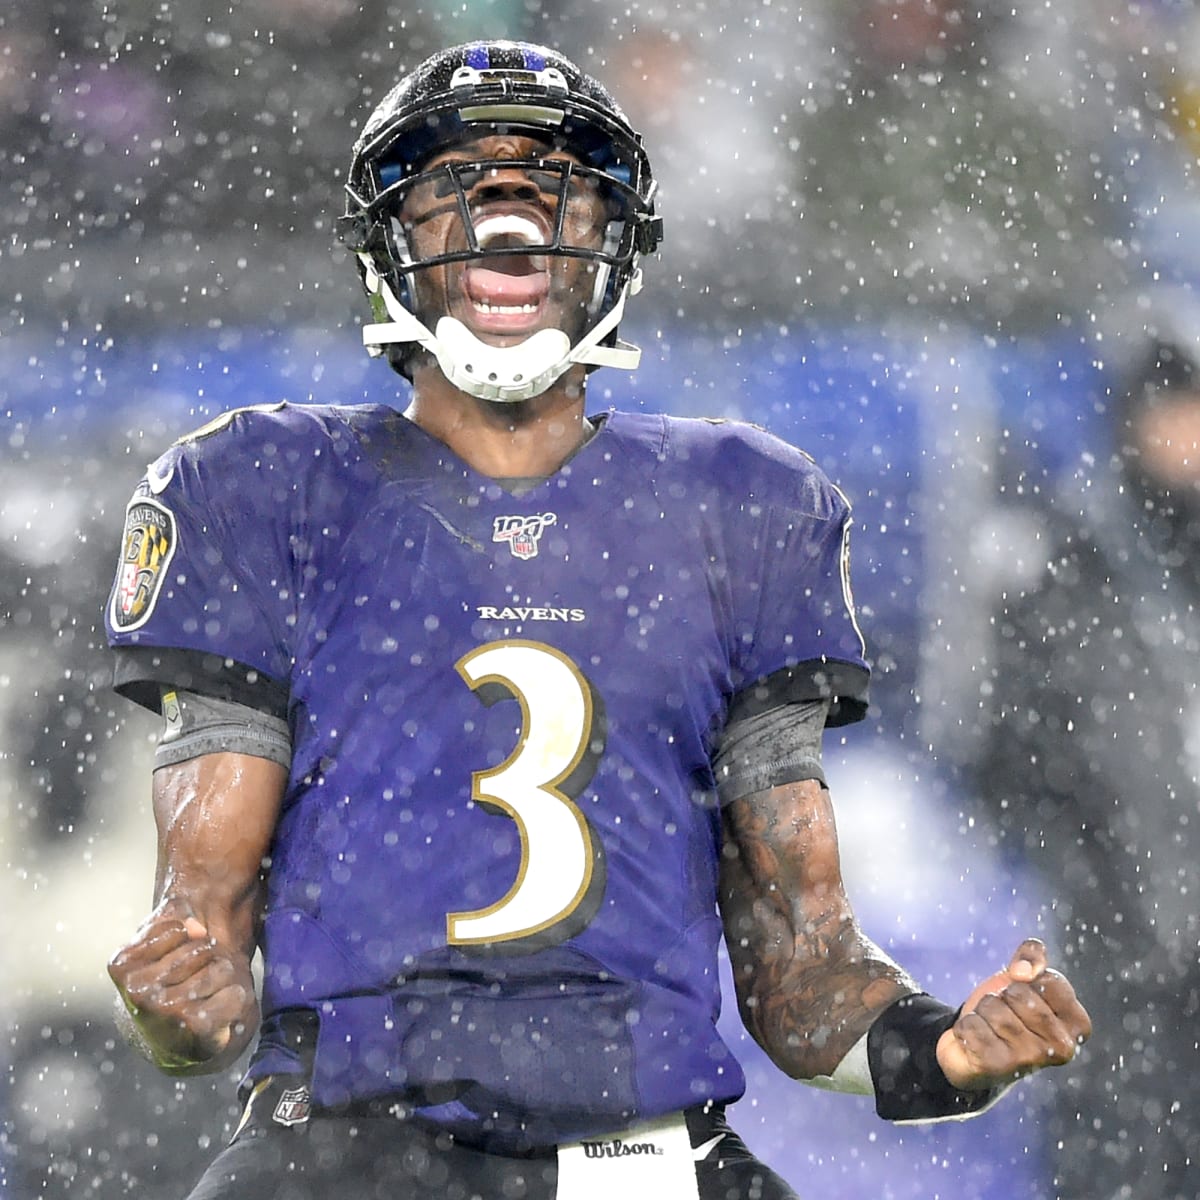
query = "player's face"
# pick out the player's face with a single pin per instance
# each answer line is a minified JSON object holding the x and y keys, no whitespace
{"x":1168,"y":441}
{"x":505,"y":299}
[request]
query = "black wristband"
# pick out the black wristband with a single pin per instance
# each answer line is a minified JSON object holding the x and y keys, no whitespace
{"x":902,"y":1054}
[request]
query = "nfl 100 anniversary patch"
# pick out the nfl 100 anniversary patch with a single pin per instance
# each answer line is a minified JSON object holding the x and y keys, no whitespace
{"x":146,"y":551}
{"x":522,"y":533}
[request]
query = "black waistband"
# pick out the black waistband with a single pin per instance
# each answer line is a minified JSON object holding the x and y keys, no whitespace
{"x":282,"y":1101}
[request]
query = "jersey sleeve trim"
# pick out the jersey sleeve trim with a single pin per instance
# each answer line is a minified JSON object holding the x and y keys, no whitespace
{"x":844,"y":685}
{"x":140,"y":672}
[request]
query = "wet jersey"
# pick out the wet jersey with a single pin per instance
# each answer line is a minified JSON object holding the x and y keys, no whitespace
{"x":493,"y":884}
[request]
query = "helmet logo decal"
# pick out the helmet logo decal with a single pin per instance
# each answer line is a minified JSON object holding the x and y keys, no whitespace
{"x":522,"y":533}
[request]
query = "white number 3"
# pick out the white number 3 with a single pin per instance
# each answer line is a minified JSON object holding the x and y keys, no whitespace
{"x":561,"y":877}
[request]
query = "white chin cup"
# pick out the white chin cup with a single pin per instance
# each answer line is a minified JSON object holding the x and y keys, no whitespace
{"x":504,"y":373}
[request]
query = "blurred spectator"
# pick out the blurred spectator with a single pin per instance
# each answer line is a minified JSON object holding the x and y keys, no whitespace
{"x":939,"y":181}
{"x":56,"y":558}
{"x":855,"y":158}
{"x":25,"y":53}
{"x":1093,"y":764}
{"x":721,"y":158}
{"x":161,"y":146}
{"x":1152,"y":55}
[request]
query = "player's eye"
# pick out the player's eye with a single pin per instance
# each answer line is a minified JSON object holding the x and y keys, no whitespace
{"x":547,"y":180}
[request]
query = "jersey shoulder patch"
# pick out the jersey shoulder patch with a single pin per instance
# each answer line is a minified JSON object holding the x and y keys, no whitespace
{"x":147,"y":547}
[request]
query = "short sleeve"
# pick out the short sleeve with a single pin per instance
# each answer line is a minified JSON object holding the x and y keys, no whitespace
{"x":203,"y":571}
{"x":787,"y":538}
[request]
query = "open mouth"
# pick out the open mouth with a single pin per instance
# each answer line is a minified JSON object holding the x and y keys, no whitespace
{"x":508,"y":289}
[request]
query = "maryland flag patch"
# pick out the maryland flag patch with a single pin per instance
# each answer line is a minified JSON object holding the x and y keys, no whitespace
{"x":146,"y":552}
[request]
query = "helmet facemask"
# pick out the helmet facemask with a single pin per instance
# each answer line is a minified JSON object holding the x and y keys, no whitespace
{"x":390,"y":193}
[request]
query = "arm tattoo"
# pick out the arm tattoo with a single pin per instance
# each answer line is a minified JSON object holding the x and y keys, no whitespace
{"x":809,"y":982}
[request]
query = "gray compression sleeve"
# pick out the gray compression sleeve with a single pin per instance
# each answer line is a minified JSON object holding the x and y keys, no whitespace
{"x":194,"y":725}
{"x":781,"y":745}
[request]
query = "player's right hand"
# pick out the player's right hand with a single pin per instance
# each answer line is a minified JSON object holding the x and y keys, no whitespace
{"x":190,"y":998}
{"x":1021,"y":1019}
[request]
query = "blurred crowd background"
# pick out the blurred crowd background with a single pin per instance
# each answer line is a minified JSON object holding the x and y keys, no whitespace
{"x":947,"y":247}
{"x":986,"y":162}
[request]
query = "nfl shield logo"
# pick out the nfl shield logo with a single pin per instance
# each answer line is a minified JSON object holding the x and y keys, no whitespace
{"x":294,"y":1107}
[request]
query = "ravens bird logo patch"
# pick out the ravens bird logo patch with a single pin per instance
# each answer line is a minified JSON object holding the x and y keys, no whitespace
{"x":146,"y":551}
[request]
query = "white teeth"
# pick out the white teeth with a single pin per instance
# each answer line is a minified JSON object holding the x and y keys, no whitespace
{"x":508,"y":225}
{"x":485,"y":307}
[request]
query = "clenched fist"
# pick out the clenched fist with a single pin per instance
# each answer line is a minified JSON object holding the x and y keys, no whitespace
{"x":190,"y":999}
{"x":1015,"y":1022}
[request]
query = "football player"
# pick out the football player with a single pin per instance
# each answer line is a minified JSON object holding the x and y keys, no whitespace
{"x":486,"y":721}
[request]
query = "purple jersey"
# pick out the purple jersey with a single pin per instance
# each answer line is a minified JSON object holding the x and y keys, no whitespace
{"x":494,"y":878}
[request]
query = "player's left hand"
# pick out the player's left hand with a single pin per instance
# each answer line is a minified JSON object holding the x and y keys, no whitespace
{"x":1016,"y":1021}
